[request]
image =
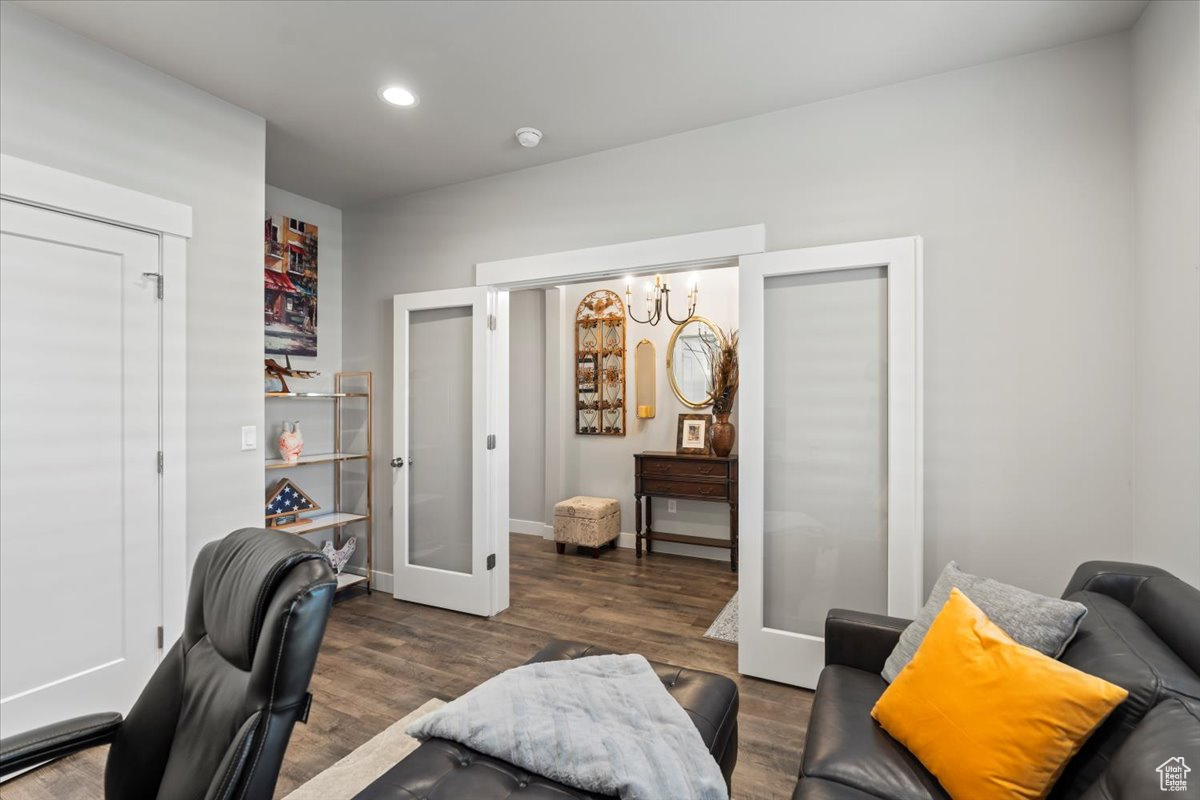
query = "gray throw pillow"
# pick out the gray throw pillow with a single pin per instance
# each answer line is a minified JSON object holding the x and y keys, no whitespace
{"x":1046,"y":624}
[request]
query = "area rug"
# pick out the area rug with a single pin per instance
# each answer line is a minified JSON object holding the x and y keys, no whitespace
{"x":355,"y":772}
{"x":725,"y":626}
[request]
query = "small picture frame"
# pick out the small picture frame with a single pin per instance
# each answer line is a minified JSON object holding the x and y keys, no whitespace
{"x":692,"y":437}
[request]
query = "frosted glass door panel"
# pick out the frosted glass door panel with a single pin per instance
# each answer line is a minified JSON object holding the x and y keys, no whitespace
{"x":825,"y":446}
{"x":440,"y":508}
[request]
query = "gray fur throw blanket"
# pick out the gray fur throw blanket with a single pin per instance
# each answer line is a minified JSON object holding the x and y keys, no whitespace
{"x":604,"y":724}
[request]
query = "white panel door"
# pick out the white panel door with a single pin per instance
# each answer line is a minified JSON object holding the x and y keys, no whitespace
{"x":79,"y":485}
{"x":830,"y":460}
{"x":450,"y":450}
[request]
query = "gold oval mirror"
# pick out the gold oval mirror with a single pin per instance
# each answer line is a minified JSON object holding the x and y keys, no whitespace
{"x":689,"y":361}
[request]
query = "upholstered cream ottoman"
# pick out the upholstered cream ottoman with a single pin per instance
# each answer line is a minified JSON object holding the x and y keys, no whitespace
{"x":587,"y":521}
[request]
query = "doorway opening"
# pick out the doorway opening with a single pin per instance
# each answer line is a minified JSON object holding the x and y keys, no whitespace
{"x":589,"y":402}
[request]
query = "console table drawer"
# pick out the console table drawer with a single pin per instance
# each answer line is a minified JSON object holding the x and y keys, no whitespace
{"x":685,"y":488}
{"x":684,"y":469}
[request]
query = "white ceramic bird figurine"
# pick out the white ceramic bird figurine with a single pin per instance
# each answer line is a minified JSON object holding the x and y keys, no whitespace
{"x":340,"y":557}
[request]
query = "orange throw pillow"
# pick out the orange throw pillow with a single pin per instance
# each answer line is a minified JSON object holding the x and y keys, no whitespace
{"x":988,"y":717}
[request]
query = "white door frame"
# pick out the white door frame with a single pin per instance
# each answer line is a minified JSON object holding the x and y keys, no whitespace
{"x":689,"y":251}
{"x":34,"y":184}
{"x":782,"y":655}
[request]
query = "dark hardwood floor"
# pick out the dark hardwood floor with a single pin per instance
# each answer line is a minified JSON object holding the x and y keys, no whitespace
{"x":382,"y":658}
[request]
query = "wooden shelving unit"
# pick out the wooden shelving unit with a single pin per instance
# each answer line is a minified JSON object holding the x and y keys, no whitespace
{"x":339,"y":519}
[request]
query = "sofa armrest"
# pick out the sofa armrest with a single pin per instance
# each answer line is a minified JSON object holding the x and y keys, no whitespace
{"x":1116,"y":579}
{"x":49,"y":742}
{"x":861,"y":640}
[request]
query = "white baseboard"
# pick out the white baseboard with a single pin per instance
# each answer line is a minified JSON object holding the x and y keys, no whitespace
{"x":380,"y":581}
{"x":531,"y":527}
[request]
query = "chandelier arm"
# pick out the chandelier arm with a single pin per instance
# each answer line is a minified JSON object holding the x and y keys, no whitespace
{"x":651,"y":319}
{"x":632,"y":316}
{"x":691,"y":311}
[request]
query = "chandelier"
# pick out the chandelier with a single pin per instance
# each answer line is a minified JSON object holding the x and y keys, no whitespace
{"x":658,"y":301}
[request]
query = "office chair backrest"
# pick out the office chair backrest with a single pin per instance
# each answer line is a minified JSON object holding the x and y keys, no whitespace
{"x":214,"y":721}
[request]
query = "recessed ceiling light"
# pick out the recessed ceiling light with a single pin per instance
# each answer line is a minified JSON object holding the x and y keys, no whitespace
{"x":398,"y":96}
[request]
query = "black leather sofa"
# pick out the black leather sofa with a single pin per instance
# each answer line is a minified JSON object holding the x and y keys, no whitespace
{"x":1142,"y":632}
{"x":441,"y":769}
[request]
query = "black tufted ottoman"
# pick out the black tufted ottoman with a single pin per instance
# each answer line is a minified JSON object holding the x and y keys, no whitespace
{"x":440,"y":770}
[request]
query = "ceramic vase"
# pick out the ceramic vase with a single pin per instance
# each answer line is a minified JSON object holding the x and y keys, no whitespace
{"x":721,"y":436}
{"x":291,"y":442}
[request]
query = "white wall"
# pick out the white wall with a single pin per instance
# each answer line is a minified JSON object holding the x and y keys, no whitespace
{"x":527,"y":409}
{"x":75,"y":105}
{"x":1166,"y":116}
{"x":316,"y":416}
{"x":1017,"y":173}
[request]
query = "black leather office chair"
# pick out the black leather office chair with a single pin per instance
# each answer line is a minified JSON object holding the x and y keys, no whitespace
{"x":216,"y":716}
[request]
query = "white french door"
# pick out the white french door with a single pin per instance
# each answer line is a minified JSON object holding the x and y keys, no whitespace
{"x":80,"y":597}
{"x":830,"y":454}
{"x":450,"y":449}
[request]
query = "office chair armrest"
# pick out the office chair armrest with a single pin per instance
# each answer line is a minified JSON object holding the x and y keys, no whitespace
{"x":59,"y":739}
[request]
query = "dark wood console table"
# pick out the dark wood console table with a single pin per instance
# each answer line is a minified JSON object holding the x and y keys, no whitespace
{"x":711,"y":478}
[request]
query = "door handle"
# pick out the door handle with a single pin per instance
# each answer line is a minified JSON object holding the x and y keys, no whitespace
{"x":397,"y":462}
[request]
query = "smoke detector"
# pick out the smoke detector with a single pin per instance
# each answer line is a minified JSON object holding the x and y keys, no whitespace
{"x":529,"y":137}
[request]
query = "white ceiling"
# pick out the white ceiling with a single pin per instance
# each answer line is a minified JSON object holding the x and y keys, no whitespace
{"x":591,"y":75}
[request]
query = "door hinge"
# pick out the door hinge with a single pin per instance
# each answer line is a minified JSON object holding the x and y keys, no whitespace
{"x":160,"y":462}
{"x":491,"y":441}
{"x":158,"y":280}
{"x":491,"y":322}
{"x":160,"y":637}
{"x":491,"y":561}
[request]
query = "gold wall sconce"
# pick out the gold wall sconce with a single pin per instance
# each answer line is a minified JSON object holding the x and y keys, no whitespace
{"x":644,"y":359}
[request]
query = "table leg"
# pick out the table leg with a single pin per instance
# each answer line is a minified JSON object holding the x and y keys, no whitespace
{"x":733,"y":537}
{"x":637,"y":524}
{"x":649,"y":526}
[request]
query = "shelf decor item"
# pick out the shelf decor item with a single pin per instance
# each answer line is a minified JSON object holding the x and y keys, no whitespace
{"x":275,"y":373}
{"x":600,"y":364}
{"x":285,"y":502}
{"x":692,"y":437}
{"x":338,"y":558}
{"x":725,"y":380}
{"x":291,"y":442}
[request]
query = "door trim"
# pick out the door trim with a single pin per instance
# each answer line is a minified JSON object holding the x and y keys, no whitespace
{"x":719,"y":248}
{"x":59,"y":190}
{"x":780,"y":655}
{"x":36,"y":184}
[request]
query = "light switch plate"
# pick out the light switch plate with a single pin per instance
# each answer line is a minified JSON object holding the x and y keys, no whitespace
{"x":672,"y":506}
{"x":249,"y":437}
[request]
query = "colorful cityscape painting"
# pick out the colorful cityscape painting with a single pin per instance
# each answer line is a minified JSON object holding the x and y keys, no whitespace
{"x":290,"y":286}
